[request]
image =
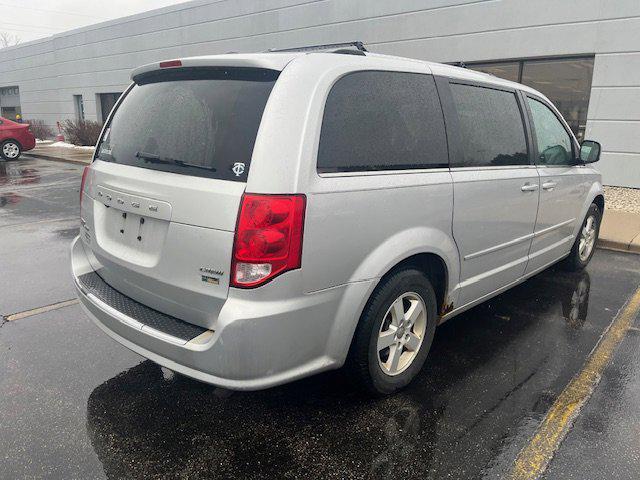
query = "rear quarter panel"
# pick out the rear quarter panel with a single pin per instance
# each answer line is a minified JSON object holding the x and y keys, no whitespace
{"x":359,"y":227}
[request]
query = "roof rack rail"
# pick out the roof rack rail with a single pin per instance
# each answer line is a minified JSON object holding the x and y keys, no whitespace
{"x":339,"y":48}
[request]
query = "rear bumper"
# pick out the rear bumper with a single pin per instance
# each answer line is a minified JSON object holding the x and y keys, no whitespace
{"x":257,"y":342}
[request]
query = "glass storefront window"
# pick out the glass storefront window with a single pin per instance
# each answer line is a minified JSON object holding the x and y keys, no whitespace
{"x":565,"y":81}
{"x":506,"y":70}
{"x":107,"y":102}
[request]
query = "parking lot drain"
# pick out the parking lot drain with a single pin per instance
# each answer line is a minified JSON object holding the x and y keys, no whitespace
{"x":36,"y":311}
{"x":534,"y":458}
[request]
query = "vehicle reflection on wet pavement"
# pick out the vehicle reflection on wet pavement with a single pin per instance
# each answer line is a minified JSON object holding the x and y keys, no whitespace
{"x":77,"y":405}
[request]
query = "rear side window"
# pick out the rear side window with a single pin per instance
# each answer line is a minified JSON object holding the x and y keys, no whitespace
{"x":198,"y":121}
{"x":491,"y":128}
{"x":376,"y":120}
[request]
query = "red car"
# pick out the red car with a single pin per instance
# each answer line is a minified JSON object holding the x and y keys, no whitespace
{"x":15,"y":138}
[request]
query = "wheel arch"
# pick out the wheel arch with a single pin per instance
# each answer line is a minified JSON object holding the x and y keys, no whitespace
{"x":430,"y":250}
{"x":595,"y":195}
{"x":599,"y":201}
{"x":435,"y":268}
{"x":11,"y":139}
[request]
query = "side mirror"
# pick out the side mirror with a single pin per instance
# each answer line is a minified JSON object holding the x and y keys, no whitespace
{"x":589,"y":151}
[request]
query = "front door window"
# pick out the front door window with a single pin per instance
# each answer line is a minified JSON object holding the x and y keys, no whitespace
{"x":554,"y":143}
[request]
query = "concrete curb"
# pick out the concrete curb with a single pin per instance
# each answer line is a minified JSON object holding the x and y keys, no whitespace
{"x":618,"y":246}
{"x":620,"y":231}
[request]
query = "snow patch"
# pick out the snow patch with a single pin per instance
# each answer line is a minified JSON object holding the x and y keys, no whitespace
{"x":70,"y":145}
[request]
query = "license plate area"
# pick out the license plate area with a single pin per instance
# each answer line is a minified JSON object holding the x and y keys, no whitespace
{"x":133,"y":229}
{"x":129,"y":237}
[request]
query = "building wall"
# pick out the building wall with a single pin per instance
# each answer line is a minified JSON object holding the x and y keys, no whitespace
{"x":99,"y":58}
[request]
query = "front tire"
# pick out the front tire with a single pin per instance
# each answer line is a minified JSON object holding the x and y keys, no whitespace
{"x":10,"y":150}
{"x":394,"y":334}
{"x":585,"y":243}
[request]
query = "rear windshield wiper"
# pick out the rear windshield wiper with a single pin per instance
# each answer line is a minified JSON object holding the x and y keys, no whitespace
{"x":153,"y":158}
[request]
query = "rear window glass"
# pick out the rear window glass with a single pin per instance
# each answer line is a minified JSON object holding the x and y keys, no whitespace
{"x":199,"y":121}
{"x":375,"y":120}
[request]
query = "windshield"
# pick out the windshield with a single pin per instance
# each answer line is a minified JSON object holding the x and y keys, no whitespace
{"x":192,"y":121}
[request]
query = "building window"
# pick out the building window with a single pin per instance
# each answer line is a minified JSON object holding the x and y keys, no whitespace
{"x":10,"y":112}
{"x":78,"y":104}
{"x":9,"y":91}
{"x":10,"y":102}
{"x":107,"y":102}
{"x":506,"y":70}
{"x":565,"y":81}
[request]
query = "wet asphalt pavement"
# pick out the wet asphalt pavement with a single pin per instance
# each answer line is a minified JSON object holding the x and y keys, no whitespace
{"x":75,"y":404}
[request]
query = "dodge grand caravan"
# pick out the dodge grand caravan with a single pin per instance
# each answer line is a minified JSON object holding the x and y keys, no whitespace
{"x":251,"y":219}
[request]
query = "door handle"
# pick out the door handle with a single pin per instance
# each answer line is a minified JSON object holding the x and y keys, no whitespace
{"x":549,"y":185}
{"x":528,"y":187}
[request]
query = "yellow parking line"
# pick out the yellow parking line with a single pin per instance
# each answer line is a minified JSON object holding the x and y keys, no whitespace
{"x":534,"y":458}
{"x":36,"y":311}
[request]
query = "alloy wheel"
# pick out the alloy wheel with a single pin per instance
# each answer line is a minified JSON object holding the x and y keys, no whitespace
{"x":401,"y":333}
{"x":587,"y":238}
{"x":10,"y":150}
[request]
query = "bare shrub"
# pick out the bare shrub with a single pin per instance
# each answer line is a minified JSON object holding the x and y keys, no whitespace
{"x":40,"y":130}
{"x":81,"y":132}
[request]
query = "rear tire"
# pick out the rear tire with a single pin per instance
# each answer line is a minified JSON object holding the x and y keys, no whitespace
{"x":395,"y":332}
{"x":585,"y":243}
{"x":10,"y":150}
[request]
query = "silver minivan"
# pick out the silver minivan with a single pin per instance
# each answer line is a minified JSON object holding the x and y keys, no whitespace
{"x":251,"y":219}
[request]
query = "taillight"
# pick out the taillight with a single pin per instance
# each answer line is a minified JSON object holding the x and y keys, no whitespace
{"x":84,"y":177}
{"x":268,"y":238}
